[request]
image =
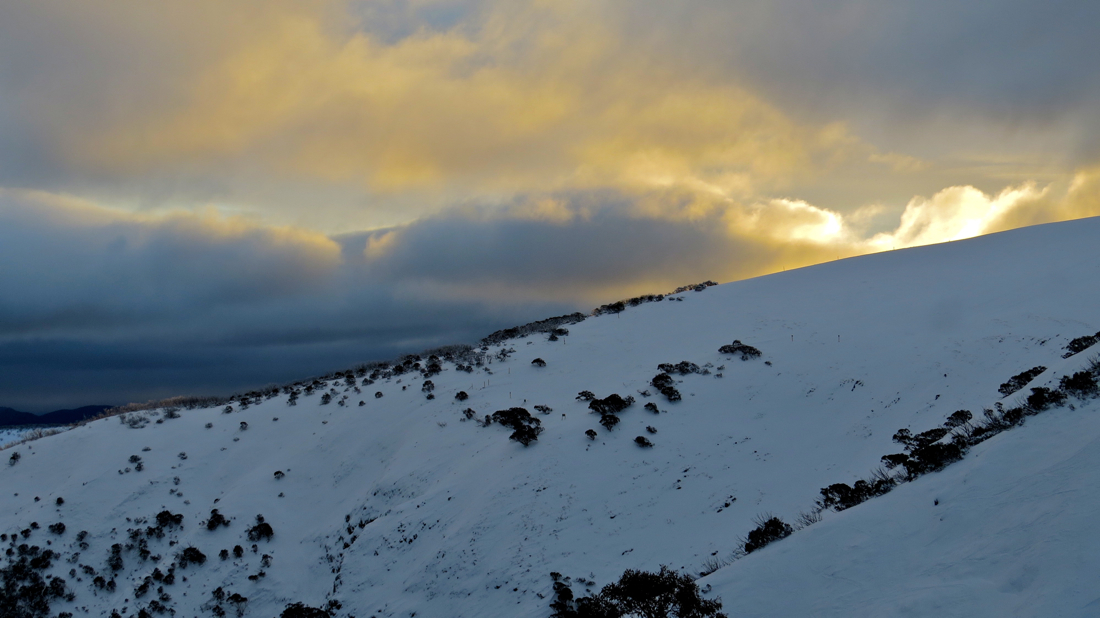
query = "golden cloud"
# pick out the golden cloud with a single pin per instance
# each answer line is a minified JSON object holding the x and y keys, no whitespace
{"x":539,"y":96}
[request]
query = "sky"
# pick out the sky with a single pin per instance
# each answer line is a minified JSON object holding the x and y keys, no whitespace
{"x":202,"y":197}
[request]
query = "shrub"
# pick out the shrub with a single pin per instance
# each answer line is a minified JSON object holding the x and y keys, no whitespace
{"x":58,"y":528}
{"x":768,"y":530}
{"x":14,"y":459}
{"x":469,"y":413}
{"x":1042,"y":398}
{"x":525,"y":428}
{"x":261,"y":531}
{"x":166,"y":519}
{"x":544,"y":409}
{"x":461,"y":396}
{"x":538,"y":362}
{"x":326,"y":399}
{"x":612,"y":404}
{"x":216,"y":519}
{"x":279,"y":474}
{"x":1081,"y":384}
{"x":1020,"y":380}
{"x":428,"y":386}
{"x":586,"y":396}
{"x":683,"y":368}
{"x":643,"y":442}
{"x":591,"y":433}
{"x":640,"y":593}
{"x":378,"y":395}
{"x":191,"y":555}
{"x":244,"y":427}
{"x":664,"y":384}
{"x":958,"y":419}
{"x":299,"y":610}
{"x":746,"y":351}
{"x":932,"y":458}
{"x":652,"y":407}
{"x":227,"y":410}
{"x":651,"y":429}
{"x":238,"y":551}
{"x":609,"y":421}
{"x":840,"y":496}
{"x":1081,"y":344}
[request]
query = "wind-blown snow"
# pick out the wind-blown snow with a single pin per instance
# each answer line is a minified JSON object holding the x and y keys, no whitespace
{"x":464,"y":522}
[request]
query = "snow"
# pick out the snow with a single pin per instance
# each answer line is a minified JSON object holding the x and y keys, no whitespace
{"x":464,"y":522}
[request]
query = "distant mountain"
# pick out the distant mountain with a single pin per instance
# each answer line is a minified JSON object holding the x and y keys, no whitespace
{"x":14,"y":418}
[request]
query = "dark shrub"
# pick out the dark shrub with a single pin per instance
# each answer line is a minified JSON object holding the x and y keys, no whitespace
{"x":1081,"y":384}
{"x":647,"y":595}
{"x":768,"y":530}
{"x":538,"y":362}
{"x":469,"y":413}
{"x":1081,"y":344}
{"x":114,"y":560}
{"x":893,"y":461}
{"x":586,"y":396}
{"x":932,"y":458}
{"x":840,"y":496}
{"x":911,"y":442}
{"x":526,"y":434}
{"x":298,"y":610}
{"x":279,"y":474}
{"x":428,"y":386}
{"x":238,"y":551}
{"x":591,"y":433}
{"x":261,"y":531}
{"x":526,"y":428}
{"x":651,"y":429}
{"x":1042,"y":398}
{"x":664,"y":384}
{"x":378,"y":395}
{"x":461,"y":396}
{"x":224,"y":554}
{"x":166,"y":519}
{"x":58,"y":528}
{"x":191,"y":555}
{"x":683,"y":368}
{"x":544,"y":409}
{"x":216,"y":519}
{"x":612,"y":404}
{"x":14,"y":459}
{"x":652,"y":407}
{"x":642,"y":441}
{"x":1020,"y":380}
{"x":746,"y":351}
{"x":609,"y":421}
{"x":958,"y":419}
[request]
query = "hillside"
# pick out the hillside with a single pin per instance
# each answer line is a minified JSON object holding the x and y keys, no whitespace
{"x":400,"y":506}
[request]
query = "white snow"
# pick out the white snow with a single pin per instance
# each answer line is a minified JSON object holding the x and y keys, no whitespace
{"x":468,"y":523}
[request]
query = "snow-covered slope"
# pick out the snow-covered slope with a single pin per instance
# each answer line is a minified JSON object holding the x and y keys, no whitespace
{"x":400,"y":507}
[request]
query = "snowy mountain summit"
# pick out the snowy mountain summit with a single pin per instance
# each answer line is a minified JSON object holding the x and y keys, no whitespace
{"x":799,"y":438}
